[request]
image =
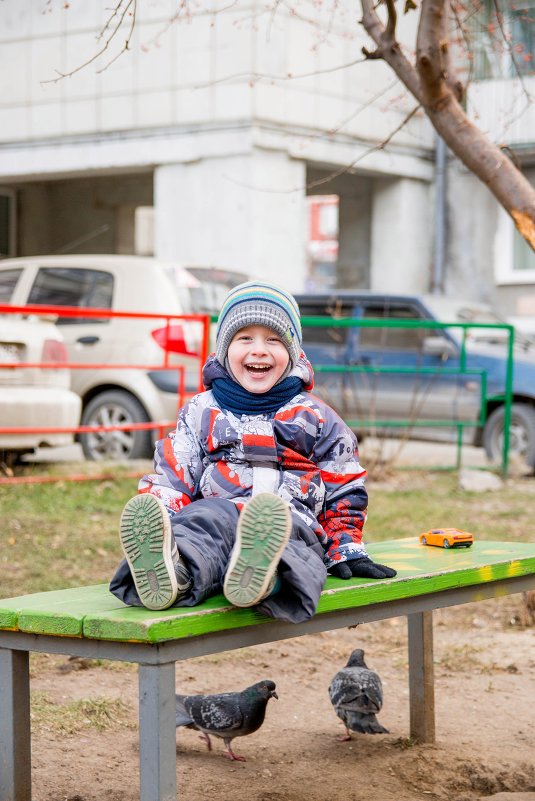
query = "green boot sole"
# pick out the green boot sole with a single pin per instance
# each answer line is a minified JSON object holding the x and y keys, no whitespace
{"x":263,"y":531}
{"x":147,"y":542}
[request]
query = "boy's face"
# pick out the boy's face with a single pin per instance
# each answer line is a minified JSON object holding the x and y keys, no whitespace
{"x":257,"y":358}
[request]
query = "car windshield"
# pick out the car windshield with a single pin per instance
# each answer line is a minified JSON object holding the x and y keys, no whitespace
{"x":214,"y":285}
{"x":452,"y":310}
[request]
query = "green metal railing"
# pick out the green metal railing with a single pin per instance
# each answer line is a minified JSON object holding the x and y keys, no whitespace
{"x":460,"y":425}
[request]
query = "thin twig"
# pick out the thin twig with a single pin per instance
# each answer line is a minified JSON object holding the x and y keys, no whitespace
{"x":509,"y":49}
{"x":466,"y":36}
{"x":373,"y":149}
{"x":126,"y":45}
{"x":364,"y":106}
{"x":262,"y":76}
{"x":179,"y":15}
{"x":109,"y":20}
{"x":273,"y":11}
{"x":341,"y":171}
{"x":103,"y":49}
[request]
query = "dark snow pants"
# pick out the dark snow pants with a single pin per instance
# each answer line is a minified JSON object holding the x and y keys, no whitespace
{"x":205,"y":532}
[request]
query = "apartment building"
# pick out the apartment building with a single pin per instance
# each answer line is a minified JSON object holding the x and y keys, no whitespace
{"x":213,"y":129}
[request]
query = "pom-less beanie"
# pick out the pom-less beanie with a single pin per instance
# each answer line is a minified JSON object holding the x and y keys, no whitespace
{"x":259,"y":303}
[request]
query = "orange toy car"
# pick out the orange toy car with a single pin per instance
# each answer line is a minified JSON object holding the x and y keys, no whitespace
{"x":447,"y":538}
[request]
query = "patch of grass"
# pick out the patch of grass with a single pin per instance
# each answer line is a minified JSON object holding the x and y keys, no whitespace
{"x":403,"y":743}
{"x":60,"y":535}
{"x":98,"y":713}
{"x":459,"y":659}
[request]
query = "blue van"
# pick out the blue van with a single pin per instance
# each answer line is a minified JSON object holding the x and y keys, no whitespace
{"x":413,"y":379}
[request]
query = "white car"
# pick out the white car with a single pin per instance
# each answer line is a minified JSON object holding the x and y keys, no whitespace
{"x":31,"y":397}
{"x":130,"y":386}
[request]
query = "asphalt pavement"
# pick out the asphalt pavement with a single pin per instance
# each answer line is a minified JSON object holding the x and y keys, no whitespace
{"x":395,"y":451}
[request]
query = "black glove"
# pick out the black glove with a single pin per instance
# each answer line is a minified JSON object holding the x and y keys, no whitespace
{"x":363,"y":568}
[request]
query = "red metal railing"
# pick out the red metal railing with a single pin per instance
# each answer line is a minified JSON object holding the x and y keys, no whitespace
{"x":166,"y":343}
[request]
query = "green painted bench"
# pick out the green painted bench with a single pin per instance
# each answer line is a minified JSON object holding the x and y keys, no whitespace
{"x":90,"y":622}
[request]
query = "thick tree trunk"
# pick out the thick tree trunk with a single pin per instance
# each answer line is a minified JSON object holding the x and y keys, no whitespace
{"x":436,"y":90}
{"x":508,"y":185}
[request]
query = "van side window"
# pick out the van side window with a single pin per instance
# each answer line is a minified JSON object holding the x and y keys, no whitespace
{"x":66,"y":286}
{"x":393,"y":338}
{"x":325,"y":334}
{"x":8,"y":282}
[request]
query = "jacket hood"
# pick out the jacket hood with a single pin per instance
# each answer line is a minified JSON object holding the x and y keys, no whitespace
{"x":214,"y":369}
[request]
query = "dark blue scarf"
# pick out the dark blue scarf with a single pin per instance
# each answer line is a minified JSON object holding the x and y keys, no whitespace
{"x":232,"y":396}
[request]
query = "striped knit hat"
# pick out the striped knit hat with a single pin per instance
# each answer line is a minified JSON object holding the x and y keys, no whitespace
{"x":258,"y":303}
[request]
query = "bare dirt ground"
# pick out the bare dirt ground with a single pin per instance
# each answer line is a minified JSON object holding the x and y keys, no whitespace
{"x":485,"y":702}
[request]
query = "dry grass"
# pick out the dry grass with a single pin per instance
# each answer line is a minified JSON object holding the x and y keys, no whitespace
{"x":102,"y":714}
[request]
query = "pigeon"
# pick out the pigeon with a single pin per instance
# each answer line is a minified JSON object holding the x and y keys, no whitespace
{"x":226,"y":715}
{"x":357,"y":695}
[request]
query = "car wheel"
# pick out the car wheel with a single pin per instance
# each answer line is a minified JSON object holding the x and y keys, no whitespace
{"x":424,"y":540}
{"x":446,"y":543}
{"x":115,"y":407}
{"x":521,"y":433}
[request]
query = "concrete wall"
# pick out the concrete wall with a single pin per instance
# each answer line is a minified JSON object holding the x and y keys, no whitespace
{"x":400,"y":238}
{"x":227,"y":109}
{"x":480,"y":247}
{"x":246,"y":213}
{"x":247,"y":60}
{"x":92,"y":215}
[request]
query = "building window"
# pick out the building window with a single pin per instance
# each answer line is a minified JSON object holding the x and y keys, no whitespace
{"x":502,"y":33}
{"x":515,"y":260}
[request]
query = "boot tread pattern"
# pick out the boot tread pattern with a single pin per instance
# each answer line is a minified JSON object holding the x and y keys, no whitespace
{"x":146,"y":539}
{"x":263,"y":531}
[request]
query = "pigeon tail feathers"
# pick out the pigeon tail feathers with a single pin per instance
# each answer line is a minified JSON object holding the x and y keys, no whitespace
{"x":365,"y":724}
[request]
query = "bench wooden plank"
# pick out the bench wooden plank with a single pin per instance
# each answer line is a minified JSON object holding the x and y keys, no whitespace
{"x":57,"y":612}
{"x":421,"y":570}
{"x":92,"y":612}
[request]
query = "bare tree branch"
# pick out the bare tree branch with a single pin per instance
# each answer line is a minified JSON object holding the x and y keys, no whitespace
{"x":126,"y":45}
{"x":362,"y":108}
{"x":375,"y":148}
{"x":389,"y":49}
{"x":510,"y":49}
{"x":255,"y":77}
{"x":451,"y":77}
{"x":183,"y":12}
{"x":430,"y":44}
{"x":464,"y":33}
{"x":336,"y":173}
{"x":108,"y":41}
{"x":428,"y":83}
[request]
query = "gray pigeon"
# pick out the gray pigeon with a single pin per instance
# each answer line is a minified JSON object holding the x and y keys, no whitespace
{"x":226,"y":715}
{"x":357,"y":695}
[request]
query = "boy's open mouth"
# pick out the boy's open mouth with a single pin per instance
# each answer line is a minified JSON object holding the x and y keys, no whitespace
{"x":257,"y":369}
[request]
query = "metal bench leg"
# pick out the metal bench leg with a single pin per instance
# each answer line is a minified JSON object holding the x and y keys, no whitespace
{"x":15,"y":744}
{"x":421,"y":677}
{"x":157,"y":732}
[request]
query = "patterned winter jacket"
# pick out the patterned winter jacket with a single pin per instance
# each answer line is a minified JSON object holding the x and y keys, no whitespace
{"x":304,"y":452}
